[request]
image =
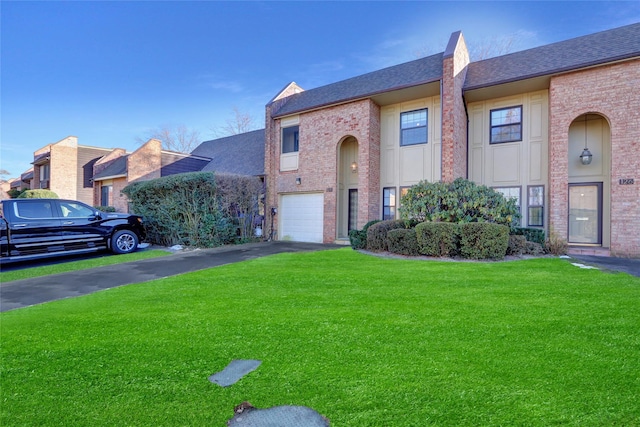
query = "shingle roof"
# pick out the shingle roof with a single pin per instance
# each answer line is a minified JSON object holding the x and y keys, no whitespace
{"x":414,"y":73}
{"x":117,"y":168}
{"x":593,"y":49}
{"x":175,"y":163}
{"x":241,"y":154}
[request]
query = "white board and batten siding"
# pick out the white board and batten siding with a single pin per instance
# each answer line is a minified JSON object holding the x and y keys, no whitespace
{"x":301,"y":217}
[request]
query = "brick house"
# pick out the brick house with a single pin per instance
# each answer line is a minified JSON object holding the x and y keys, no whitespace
{"x":117,"y":169}
{"x":555,"y":127}
{"x":66,"y":168}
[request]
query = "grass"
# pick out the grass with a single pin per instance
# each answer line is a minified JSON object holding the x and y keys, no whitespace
{"x":364,"y":341}
{"x":46,"y":270}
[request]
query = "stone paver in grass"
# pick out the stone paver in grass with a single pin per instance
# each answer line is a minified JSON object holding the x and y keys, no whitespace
{"x":234,"y":372}
{"x":278,"y":416}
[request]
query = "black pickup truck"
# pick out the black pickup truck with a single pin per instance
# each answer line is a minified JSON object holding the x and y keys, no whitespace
{"x":38,"y":228}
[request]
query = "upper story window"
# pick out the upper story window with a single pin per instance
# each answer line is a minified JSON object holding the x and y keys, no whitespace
{"x":506,"y":125}
{"x":413,"y":127}
{"x":290,"y":140}
{"x":44,"y":172}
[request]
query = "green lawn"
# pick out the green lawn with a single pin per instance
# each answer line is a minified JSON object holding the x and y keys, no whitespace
{"x":64,"y":267}
{"x":365,"y":341}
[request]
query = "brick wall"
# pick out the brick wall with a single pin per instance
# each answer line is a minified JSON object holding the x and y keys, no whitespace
{"x":454,"y":117}
{"x":611,"y":91}
{"x":146,"y":162}
{"x":321,"y":133}
{"x":64,"y":169}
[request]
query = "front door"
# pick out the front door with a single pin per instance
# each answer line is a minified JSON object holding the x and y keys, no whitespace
{"x":585,"y":213}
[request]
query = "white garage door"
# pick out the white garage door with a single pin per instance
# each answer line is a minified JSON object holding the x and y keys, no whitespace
{"x":301,"y":217}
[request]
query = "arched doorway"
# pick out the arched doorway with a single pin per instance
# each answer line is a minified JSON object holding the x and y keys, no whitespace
{"x":347,"y":203}
{"x":589,"y":181}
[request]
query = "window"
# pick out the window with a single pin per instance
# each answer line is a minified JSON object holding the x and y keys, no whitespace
{"x":290,"y":143}
{"x":76,"y":210}
{"x":389,"y":203}
{"x":105,"y":190}
{"x":535,"y":217}
{"x":413,"y":127}
{"x":34,"y":210}
{"x":506,"y":125}
{"x":44,"y":172}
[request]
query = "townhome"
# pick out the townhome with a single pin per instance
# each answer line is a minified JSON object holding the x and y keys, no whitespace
{"x":555,"y":127}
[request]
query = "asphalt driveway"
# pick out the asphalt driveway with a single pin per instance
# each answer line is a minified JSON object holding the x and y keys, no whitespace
{"x":23,"y":293}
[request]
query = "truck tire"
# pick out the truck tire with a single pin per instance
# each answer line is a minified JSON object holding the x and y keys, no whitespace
{"x":124,"y":242}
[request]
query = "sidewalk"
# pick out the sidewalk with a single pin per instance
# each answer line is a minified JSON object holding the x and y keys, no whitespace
{"x":23,"y":293}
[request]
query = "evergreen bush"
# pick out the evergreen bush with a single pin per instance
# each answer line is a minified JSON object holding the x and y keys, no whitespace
{"x":358,"y":238}
{"x":377,"y":234}
{"x":531,"y":234}
{"x":460,"y":201}
{"x":403,"y":241}
{"x":483,"y":240}
{"x":438,"y":239}
{"x":38,"y":194}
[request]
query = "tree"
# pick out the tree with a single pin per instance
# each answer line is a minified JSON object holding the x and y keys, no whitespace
{"x":241,"y":122}
{"x":3,"y":174}
{"x":174,"y":138}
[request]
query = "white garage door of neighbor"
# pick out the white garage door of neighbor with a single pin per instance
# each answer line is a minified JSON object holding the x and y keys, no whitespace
{"x":301,"y":217}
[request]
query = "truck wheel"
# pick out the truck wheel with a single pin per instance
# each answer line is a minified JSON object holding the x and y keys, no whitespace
{"x":124,"y":242}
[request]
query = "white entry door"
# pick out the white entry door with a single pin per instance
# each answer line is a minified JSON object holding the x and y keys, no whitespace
{"x":301,"y":217}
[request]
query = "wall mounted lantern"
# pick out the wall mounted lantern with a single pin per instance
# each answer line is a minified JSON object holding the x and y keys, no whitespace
{"x":354,"y":167}
{"x":298,"y":181}
{"x":586,"y":155}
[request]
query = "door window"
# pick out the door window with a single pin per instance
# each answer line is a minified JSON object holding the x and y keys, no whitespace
{"x":585,"y":213}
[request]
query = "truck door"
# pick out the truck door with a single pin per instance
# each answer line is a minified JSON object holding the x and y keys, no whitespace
{"x":34,"y":227}
{"x":81,"y":227}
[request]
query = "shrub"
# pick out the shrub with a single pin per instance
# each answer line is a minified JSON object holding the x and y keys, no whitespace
{"x":460,"y":201}
{"x":358,"y":238}
{"x":14,"y":193}
{"x":105,"y":208}
{"x":38,"y":194}
{"x":555,"y":244}
{"x":197,"y":209}
{"x":403,"y":241}
{"x":483,"y":240}
{"x":377,"y":234}
{"x":517,"y":245}
{"x":438,"y":238}
{"x":531,"y":234}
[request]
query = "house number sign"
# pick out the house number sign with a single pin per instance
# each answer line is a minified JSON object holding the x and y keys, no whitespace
{"x":626,"y":181}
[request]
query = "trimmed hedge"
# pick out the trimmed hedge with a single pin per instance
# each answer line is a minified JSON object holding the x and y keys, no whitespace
{"x":377,"y":234}
{"x":531,"y":234}
{"x":438,"y":239}
{"x":403,"y":241}
{"x":483,"y":240}
{"x":358,"y":238}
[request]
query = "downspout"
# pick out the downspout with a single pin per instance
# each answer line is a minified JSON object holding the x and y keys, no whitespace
{"x":466,"y":113}
{"x":441,"y":128}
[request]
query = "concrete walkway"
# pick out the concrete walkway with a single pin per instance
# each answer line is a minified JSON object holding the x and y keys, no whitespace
{"x":23,"y":293}
{"x":625,"y":265}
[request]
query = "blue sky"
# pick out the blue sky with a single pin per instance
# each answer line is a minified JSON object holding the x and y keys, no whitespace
{"x":110,"y":71}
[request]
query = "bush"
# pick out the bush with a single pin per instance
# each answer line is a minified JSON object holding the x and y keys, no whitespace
{"x":438,"y":238}
{"x":403,"y":241}
{"x":460,"y":201}
{"x":14,"y":193}
{"x":358,"y":238}
{"x":105,"y":208}
{"x":531,"y":234}
{"x":483,"y":240}
{"x":377,"y":234}
{"x":517,"y":245}
{"x":555,"y":244}
{"x":197,"y":209}
{"x":38,"y":194}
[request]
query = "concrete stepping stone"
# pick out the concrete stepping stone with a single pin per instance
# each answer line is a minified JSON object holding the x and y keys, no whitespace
{"x":278,"y":416}
{"x":234,"y":372}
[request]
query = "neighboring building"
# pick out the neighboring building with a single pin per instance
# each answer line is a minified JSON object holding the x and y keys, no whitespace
{"x":66,"y":168}
{"x":341,"y":155}
{"x":118,"y":169}
{"x":241,"y":154}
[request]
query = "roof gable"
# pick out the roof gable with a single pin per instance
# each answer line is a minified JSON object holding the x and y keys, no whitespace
{"x":414,"y":73}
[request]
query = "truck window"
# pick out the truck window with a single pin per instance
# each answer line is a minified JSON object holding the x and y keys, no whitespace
{"x":76,"y":210}
{"x":34,"y":210}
